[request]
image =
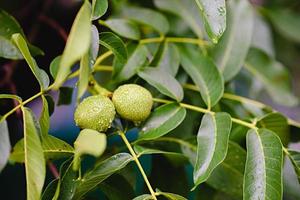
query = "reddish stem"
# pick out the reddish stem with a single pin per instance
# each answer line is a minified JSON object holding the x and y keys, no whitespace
{"x":53,"y":169}
{"x":52,"y":23}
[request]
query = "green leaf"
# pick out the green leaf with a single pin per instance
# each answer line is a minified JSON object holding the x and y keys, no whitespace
{"x":54,"y":65}
{"x":101,"y":172}
{"x":89,"y":142}
{"x":263,"y":171}
{"x":141,"y":150}
{"x":67,"y":182}
{"x":124,"y":71}
{"x":204,"y":74}
{"x":115,"y":44}
{"x":45,"y":117}
{"x":65,"y":96}
{"x":75,"y":48}
{"x":163,"y":82}
{"x":228,"y":176}
{"x":39,"y":74}
{"x":86,"y":63}
{"x":186,"y":10}
{"x":170,"y":59}
{"x":34,"y":158}
{"x":143,"y":197}
{"x":148,"y":17}
{"x":232,"y":49}
{"x":286,"y":22}
{"x":53,"y":148}
{"x":99,"y":8}
{"x":277,"y":123}
{"x":294,"y":157}
{"x":117,"y":187}
{"x":262,"y":37}
{"x":273,"y":75}
{"x":8,"y":27}
{"x":163,"y":120}
{"x":214,"y":15}
{"x":170,"y":196}
{"x":84,"y":73}
{"x":4,"y":144}
{"x":49,"y":192}
{"x":212,"y":139}
{"x":17,"y":154}
{"x":123,"y":27}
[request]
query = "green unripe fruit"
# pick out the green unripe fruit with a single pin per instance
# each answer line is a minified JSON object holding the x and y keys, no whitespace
{"x":95,"y":112}
{"x":132,"y":102}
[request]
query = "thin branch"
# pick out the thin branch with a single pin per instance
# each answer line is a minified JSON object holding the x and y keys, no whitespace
{"x":123,"y":136}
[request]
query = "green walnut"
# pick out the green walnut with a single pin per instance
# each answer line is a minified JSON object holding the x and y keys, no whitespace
{"x":132,"y":102}
{"x":95,"y":112}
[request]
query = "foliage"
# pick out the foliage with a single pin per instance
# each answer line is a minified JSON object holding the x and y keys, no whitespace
{"x":196,"y":57}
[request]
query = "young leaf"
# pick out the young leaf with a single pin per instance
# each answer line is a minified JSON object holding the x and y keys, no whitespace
{"x":124,"y":71}
{"x":101,"y":172}
{"x":123,"y":27}
{"x":286,"y":22}
{"x":4,"y":144}
{"x":39,"y":74}
{"x":99,"y":8}
{"x":171,"y":196}
{"x":65,"y":96}
{"x":163,"y":82}
{"x":115,"y":44}
{"x":232,"y":49}
{"x":186,"y":10}
{"x":163,"y":120}
{"x":45,"y":117}
{"x":277,"y":123}
{"x":8,"y":27}
{"x":170,"y":59}
{"x":204,"y":74}
{"x":143,"y":197}
{"x":89,"y":142}
{"x":294,"y":157}
{"x":214,"y":15}
{"x":54,"y":65}
{"x":263,"y":171}
{"x":228,"y":176}
{"x":273,"y":75}
{"x":34,"y":158}
{"x":212,"y":139}
{"x":75,"y":48}
{"x":148,"y":17}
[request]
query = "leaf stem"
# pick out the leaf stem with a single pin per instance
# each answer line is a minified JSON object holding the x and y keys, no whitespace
{"x":24,"y":102}
{"x":203,"y":110}
{"x":123,"y":136}
{"x":244,"y":100}
{"x":103,"y":57}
